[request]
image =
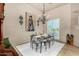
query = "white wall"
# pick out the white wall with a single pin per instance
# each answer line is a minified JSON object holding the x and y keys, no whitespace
{"x":64,"y":14}
{"x":74,"y":23}
{"x":11,"y":26}
{"x":17,"y":33}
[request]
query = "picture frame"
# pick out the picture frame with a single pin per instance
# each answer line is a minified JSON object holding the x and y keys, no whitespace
{"x":29,"y":22}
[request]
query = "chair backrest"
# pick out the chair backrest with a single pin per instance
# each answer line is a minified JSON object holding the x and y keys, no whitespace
{"x":51,"y":34}
{"x":32,"y":36}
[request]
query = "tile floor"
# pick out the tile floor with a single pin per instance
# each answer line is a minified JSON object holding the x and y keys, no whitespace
{"x":25,"y":50}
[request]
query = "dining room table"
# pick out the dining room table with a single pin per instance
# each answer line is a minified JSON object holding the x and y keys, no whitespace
{"x":41,"y":40}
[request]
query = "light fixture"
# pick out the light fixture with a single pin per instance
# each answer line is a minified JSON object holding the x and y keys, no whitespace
{"x":43,"y":17}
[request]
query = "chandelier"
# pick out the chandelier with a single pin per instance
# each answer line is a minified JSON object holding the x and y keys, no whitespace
{"x":43,"y":17}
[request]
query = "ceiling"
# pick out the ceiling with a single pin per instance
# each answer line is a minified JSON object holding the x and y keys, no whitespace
{"x":48,"y":6}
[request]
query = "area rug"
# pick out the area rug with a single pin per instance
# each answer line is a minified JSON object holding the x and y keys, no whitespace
{"x":26,"y":50}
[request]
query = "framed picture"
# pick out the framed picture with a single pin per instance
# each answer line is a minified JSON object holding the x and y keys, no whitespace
{"x":29,"y":22}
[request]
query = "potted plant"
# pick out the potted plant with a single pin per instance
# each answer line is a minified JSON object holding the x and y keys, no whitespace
{"x":6,"y":43}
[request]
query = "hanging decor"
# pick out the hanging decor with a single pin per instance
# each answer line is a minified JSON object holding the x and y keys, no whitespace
{"x":21,"y":20}
{"x":29,"y":22}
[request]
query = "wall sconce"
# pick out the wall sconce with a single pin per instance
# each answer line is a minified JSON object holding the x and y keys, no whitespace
{"x":21,"y":20}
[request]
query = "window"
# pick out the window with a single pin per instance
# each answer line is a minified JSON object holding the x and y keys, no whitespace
{"x":53,"y":27}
